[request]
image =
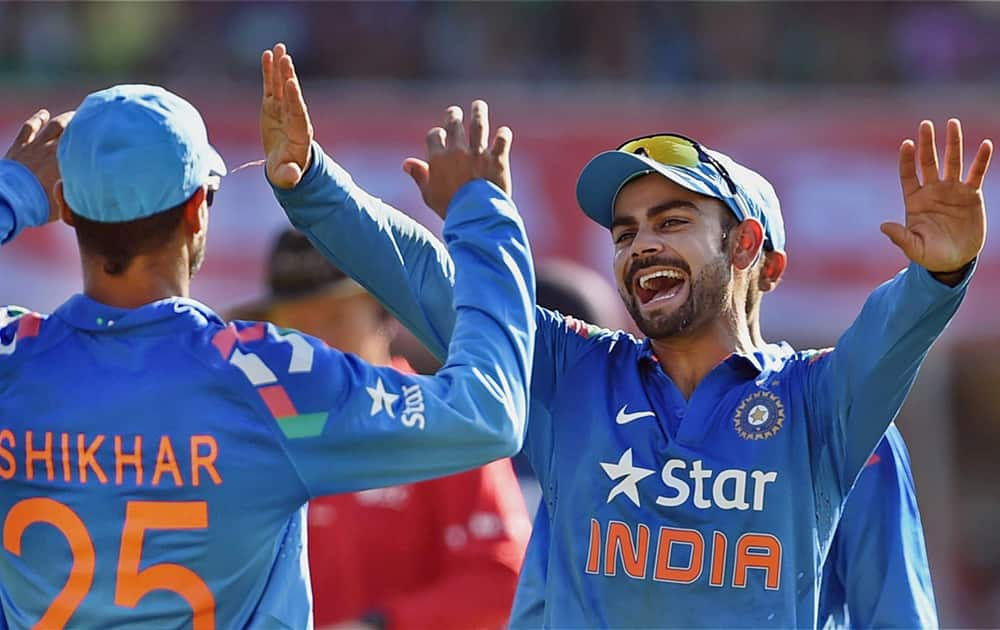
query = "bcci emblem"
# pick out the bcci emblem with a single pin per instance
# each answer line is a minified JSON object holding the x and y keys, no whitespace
{"x":759,"y":416}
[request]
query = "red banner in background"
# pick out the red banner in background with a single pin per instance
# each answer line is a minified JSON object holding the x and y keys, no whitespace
{"x":832,"y":161}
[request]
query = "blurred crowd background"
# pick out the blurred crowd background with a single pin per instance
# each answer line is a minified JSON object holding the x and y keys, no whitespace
{"x":814,"y":95}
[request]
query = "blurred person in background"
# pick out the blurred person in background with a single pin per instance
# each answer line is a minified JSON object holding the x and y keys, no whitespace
{"x":443,"y":553}
{"x":876,"y":574}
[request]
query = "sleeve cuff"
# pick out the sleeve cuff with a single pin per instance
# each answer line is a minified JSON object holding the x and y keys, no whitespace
{"x":927,"y":281}
{"x":24,"y":193}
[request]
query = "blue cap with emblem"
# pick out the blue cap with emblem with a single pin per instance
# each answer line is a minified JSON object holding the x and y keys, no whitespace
{"x":132,"y":151}
{"x":688,"y":164}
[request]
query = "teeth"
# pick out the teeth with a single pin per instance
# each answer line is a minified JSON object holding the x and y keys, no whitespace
{"x":666,"y":273}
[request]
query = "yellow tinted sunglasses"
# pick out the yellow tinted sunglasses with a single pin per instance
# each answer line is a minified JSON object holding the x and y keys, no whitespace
{"x":676,"y":150}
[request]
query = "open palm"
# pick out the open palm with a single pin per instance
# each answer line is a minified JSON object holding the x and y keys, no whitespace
{"x":285,"y":128}
{"x":945,"y":216}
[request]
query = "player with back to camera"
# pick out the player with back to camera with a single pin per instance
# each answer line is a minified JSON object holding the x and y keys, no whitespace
{"x":691,"y":479}
{"x":156,"y":461}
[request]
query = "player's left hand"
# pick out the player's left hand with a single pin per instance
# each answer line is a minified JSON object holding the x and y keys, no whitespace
{"x":285,"y":128}
{"x":945,"y":216}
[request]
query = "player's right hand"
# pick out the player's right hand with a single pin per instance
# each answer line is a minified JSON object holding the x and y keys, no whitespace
{"x":453,"y":159}
{"x":285,"y":128}
{"x":35,"y":147}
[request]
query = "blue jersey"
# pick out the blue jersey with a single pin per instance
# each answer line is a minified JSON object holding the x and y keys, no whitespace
{"x":717,"y":510}
{"x":877,"y":575}
{"x":22,"y":200}
{"x":155,"y":462}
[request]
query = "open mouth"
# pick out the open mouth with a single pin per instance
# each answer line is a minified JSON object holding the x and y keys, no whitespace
{"x":659,"y":285}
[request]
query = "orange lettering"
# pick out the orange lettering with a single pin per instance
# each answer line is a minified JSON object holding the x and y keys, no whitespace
{"x":634,"y":561}
{"x":7,"y":471}
{"x":123,"y":459}
{"x":685,"y":575}
{"x":166,"y":462}
{"x":204,"y":461}
{"x":81,"y":547}
{"x":86,"y":457}
{"x":64,"y":446}
{"x":594,"y":555}
{"x":718,"y":559}
{"x":758,"y":551}
{"x":31,"y":455}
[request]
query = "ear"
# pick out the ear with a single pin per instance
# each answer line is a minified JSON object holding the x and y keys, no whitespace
{"x":60,"y":199}
{"x":747,"y":241}
{"x":194,"y":219}
{"x":770,"y":274}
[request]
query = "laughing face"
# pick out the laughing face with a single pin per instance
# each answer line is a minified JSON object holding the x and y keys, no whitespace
{"x":671,"y":262}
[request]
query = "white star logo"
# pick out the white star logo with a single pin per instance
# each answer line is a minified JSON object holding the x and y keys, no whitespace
{"x":633,"y":475}
{"x":381,"y":399}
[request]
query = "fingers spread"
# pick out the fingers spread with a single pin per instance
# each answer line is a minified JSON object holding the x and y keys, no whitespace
{"x":479,"y":127}
{"x":454,"y":129}
{"x":927,"y":153}
{"x":908,"y":168}
{"x":55,"y":128}
{"x":435,"y":142}
{"x":418,"y":170}
{"x":953,"y":151}
{"x":31,"y":127}
{"x":901,"y":237}
{"x":981,"y":163}
{"x":501,"y":143}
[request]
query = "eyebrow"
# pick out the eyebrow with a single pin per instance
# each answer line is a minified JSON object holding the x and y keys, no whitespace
{"x":657,"y":209}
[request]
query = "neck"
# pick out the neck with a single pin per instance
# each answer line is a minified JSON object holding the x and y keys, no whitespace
{"x":146,"y":279}
{"x":688,"y":358}
{"x":376,"y":352}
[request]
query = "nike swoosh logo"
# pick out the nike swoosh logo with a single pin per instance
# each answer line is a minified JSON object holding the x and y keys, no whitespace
{"x":625,"y":418}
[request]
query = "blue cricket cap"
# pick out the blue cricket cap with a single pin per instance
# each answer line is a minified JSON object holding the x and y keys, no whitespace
{"x":132,"y":151}
{"x":753,"y":198}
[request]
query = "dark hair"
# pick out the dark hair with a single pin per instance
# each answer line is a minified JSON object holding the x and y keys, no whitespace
{"x":119,"y":243}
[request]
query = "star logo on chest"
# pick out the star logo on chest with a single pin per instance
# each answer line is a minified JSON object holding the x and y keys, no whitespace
{"x":381,"y":399}
{"x":630,"y":476}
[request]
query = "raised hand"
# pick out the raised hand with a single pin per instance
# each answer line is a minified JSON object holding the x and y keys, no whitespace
{"x":453,"y":159}
{"x":35,"y":147}
{"x":285,"y":128}
{"x":945,"y":216}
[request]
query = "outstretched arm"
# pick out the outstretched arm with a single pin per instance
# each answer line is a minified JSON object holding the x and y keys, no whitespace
{"x":28,"y":172}
{"x":375,"y":426}
{"x":858,"y":387}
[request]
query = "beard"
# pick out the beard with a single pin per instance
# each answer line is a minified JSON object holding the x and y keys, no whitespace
{"x":706,"y":300}
{"x":197,"y":258}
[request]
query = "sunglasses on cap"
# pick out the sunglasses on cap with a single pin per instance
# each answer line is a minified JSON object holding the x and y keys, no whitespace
{"x":674,"y":149}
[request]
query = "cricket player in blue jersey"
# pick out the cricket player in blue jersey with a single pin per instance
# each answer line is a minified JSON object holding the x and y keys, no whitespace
{"x":690,"y":478}
{"x":155,"y":460}
{"x":876,"y":573}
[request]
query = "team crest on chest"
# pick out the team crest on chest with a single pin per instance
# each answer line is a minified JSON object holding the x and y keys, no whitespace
{"x":759,"y":416}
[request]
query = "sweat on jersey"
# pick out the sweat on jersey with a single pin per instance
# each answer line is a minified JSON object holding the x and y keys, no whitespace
{"x":712,"y":511}
{"x":155,"y":463}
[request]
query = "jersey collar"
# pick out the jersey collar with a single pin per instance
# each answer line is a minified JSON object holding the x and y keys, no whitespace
{"x":768,"y":358}
{"x":84,"y":313}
